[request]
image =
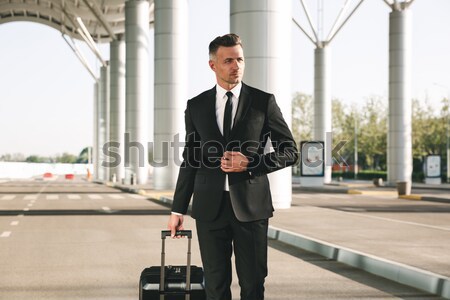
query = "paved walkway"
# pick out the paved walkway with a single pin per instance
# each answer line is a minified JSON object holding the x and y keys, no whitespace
{"x":368,"y":227}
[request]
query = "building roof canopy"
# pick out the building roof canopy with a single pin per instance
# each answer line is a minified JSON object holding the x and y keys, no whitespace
{"x":103,"y":19}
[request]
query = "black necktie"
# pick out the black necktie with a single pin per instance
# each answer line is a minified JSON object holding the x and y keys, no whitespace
{"x":227,"y":116}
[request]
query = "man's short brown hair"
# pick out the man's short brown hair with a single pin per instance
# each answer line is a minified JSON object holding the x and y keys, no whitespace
{"x":227,"y":40}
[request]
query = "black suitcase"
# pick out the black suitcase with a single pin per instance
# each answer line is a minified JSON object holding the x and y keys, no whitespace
{"x":174,"y":282}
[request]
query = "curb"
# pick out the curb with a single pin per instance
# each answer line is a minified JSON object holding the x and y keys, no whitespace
{"x":417,"y":278}
{"x":424,"y":198}
{"x":364,"y":192}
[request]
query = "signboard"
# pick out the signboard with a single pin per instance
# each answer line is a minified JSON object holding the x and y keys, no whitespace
{"x":312,"y":159}
{"x":433,"y":166}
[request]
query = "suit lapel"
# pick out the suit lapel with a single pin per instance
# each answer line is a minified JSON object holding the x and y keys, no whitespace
{"x":244,"y":104}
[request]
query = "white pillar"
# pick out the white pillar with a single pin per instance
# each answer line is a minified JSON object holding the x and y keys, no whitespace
{"x":322,"y":105}
{"x":96,"y":148}
{"x":265,"y":29}
{"x":104,"y":121}
{"x":137,"y":95}
{"x":170,"y":89}
{"x":399,"y":152}
{"x":117,"y":107}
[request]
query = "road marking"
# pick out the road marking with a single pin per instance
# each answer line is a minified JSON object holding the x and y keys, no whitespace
{"x":136,"y":196}
{"x":30,"y":205}
{"x":95,"y":197}
{"x":52,"y":197}
{"x":20,"y":215}
{"x":5,"y":234}
{"x":343,"y":196}
{"x":8,"y":197}
{"x":398,"y":221}
{"x":74,"y":197}
{"x":115,"y":196}
{"x":30,"y":197}
{"x":14,"y":223}
{"x":26,"y":209}
{"x":106,"y":208}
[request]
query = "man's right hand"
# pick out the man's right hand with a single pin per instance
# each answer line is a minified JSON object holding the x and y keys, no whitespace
{"x":175,"y":223}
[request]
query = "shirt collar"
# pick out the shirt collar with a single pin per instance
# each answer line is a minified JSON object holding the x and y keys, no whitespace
{"x":221,"y":91}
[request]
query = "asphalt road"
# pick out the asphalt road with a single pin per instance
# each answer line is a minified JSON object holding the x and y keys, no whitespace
{"x":79,"y":240}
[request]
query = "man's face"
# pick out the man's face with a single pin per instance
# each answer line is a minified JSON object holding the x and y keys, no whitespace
{"x":229,"y":66}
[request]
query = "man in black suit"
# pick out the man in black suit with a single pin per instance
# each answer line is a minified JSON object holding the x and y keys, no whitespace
{"x":225,"y":169}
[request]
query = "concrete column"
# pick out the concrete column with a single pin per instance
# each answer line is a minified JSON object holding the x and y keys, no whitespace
{"x":322,"y":105}
{"x":104,"y":121}
{"x":170,"y":89}
{"x":399,"y":152}
{"x":137,"y":95}
{"x":96,"y":132}
{"x":265,"y":28}
{"x":117,"y":108}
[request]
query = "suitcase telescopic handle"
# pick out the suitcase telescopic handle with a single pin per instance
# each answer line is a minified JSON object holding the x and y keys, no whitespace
{"x":164,"y":234}
{"x":186,"y":233}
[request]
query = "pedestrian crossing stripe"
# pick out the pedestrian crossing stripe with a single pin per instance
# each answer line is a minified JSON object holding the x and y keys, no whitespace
{"x":115,"y":196}
{"x":62,"y":196}
{"x":5,"y":234}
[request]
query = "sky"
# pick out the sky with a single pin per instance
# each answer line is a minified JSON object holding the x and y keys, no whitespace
{"x":46,"y":95}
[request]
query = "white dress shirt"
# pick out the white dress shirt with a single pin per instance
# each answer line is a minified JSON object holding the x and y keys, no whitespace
{"x":221,"y":100}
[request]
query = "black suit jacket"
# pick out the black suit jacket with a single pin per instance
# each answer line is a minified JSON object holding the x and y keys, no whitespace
{"x":258,"y":117}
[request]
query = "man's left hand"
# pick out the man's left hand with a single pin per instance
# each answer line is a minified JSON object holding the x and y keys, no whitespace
{"x":233,"y":161}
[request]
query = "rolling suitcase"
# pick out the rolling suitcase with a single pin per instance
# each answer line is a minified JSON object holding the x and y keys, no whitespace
{"x":172,"y":282}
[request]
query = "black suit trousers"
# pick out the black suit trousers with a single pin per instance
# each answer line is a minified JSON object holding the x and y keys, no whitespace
{"x":218,"y":239}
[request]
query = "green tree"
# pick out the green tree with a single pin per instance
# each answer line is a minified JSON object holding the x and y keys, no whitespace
{"x":429,"y":129}
{"x":33,"y":159}
{"x":17,"y":157}
{"x":66,"y":158}
{"x":302,"y":117}
{"x":372,"y":135}
{"x":343,"y":130}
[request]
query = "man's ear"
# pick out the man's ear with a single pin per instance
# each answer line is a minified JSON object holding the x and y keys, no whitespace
{"x":212,"y":65}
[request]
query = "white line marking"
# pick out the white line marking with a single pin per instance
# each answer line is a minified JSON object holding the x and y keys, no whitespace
{"x":30,"y":205}
{"x":8,"y":197}
{"x":115,"y":196}
{"x":52,"y":197}
{"x":30,"y":197}
{"x":20,"y":216}
{"x":95,"y":197}
{"x":136,"y":196}
{"x":106,"y":208}
{"x":398,"y":221}
{"x":74,"y":197}
{"x":14,"y":223}
{"x":338,"y":196}
{"x":26,"y":209}
{"x":5,"y":234}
